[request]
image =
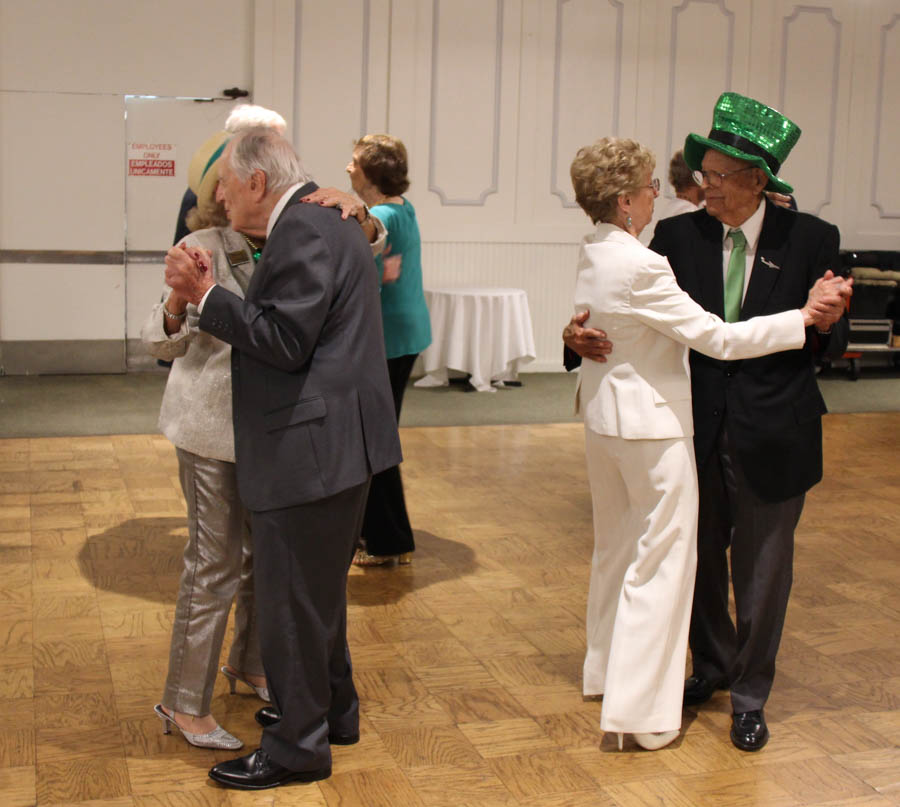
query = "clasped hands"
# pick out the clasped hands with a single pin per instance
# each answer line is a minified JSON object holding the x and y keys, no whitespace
{"x":188,"y":274}
{"x":826,"y":301}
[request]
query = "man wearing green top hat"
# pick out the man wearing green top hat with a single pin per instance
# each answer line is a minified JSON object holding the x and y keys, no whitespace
{"x":757,"y":422}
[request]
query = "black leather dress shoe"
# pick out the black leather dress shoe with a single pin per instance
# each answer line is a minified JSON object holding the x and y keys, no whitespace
{"x":749,"y":731}
{"x":336,"y":738}
{"x":258,"y":771}
{"x":269,"y":715}
{"x":698,"y":689}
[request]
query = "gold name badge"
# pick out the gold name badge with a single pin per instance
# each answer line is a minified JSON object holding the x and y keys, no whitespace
{"x":237,"y":257}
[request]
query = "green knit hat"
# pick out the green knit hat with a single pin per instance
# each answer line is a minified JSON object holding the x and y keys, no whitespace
{"x":747,"y":130}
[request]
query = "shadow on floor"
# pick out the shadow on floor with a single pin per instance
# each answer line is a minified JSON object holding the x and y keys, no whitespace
{"x":142,"y":557}
{"x":382,"y":585}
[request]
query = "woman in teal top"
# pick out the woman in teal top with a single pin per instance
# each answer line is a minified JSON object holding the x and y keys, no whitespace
{"x":378,"y":173}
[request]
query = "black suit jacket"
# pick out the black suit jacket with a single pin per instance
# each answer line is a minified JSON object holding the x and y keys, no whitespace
{"x":772,"y":404}
{"x":313,"y":410}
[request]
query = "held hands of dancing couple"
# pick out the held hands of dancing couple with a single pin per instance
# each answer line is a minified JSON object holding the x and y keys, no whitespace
{"x":827,"y":300}
{"x":189,"y":273}
{"x":824,"y":306}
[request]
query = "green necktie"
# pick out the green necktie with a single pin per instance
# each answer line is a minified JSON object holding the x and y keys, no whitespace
{"x":734,"y":279}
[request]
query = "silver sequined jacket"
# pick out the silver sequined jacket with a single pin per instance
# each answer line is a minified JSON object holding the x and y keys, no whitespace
{"x":196,"y":406}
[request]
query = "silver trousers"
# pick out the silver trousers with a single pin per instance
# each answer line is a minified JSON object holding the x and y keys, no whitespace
{"x":218,"y":570}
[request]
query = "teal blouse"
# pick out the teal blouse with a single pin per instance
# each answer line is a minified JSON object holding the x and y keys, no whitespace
{"x":407,"y":326}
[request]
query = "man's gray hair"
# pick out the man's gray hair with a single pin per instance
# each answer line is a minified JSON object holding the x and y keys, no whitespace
{"x":265,"y":150}
{"x":249,"y":116}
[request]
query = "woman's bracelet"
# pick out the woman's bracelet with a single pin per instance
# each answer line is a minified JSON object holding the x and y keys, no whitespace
{"x":169,"y":315}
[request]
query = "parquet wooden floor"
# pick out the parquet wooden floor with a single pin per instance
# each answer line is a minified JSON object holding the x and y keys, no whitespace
{"x":468,"y":662}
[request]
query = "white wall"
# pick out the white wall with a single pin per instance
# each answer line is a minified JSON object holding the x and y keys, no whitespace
{"x":492,"y":98}
{"x":168,"y":47}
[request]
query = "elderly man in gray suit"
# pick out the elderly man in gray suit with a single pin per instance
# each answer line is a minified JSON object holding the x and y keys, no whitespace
{"x":313,"y":420}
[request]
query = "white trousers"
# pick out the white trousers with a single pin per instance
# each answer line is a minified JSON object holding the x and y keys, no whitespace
{"x":644,"y":496}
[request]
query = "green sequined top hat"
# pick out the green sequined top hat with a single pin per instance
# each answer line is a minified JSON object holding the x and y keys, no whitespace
{"x":747,"y":130}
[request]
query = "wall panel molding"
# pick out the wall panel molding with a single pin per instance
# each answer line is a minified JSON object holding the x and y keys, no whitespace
{"x":274,"y":55}
{"x":564,"y":193}
{"x":477,"y":199}
{"x":674,"y":33}
{"x":829,"y":90}
{"x":890,"y":28}
{"x":364,"y":77}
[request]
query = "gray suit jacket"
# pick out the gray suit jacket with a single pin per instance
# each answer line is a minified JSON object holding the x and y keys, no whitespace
{"x":313,"y":412}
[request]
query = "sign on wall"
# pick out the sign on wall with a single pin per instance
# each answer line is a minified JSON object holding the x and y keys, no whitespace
{"x":151,"y":159}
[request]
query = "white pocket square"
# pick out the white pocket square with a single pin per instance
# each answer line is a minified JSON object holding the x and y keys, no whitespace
{"x":769,"y":263}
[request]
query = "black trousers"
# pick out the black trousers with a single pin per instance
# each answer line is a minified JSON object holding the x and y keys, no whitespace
{"x":760,"y":536}
{"x":386,"y":526}
{"x":301,"y":556}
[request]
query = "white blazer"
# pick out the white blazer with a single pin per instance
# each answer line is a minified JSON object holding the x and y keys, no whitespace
{"x":643,"y":390}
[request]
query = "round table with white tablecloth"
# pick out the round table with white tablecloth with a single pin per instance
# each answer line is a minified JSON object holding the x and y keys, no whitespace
{"x":485,"y":332}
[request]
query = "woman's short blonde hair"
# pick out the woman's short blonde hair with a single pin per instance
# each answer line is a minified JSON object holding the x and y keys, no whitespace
{"x":209,"y":216}
{"x":606,"y":169}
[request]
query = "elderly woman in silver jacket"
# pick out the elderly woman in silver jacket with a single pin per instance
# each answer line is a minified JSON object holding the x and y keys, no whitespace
{"x":196,"y":417}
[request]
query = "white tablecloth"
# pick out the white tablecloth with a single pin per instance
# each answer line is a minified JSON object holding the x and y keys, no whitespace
{"x":484,"y":332}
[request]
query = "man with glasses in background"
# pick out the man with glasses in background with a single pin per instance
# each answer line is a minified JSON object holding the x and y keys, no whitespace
{"x":757,"y":422}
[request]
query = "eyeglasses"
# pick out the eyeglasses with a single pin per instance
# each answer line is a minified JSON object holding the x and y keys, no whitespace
{"x":654,"y":186}
{"x":716,"y":178}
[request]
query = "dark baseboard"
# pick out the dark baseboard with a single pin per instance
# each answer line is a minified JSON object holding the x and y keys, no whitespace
{"x":62,"y":357}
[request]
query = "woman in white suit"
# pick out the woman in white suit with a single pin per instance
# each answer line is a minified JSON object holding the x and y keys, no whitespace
{"x":638,"y":428}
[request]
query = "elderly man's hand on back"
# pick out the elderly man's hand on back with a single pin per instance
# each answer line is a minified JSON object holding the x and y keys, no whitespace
{"x":589,"y":343}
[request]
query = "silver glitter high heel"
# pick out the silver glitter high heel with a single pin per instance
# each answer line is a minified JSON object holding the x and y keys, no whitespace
{"x":233,"y":677}
{"x":217,"y":738}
